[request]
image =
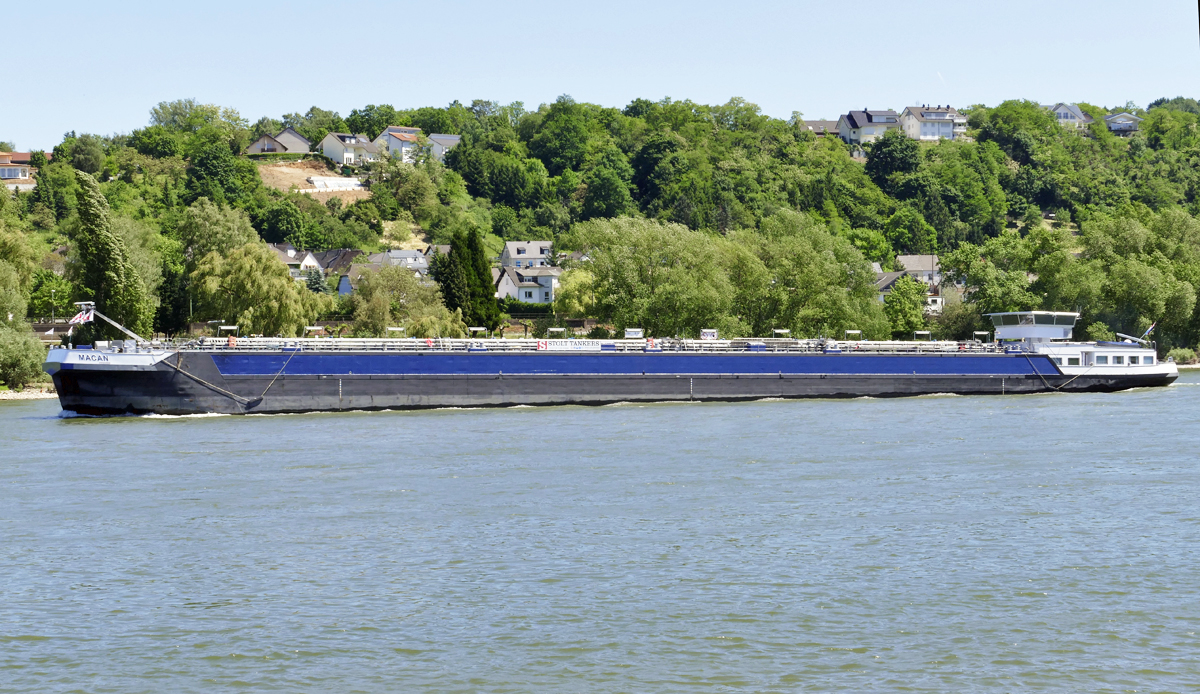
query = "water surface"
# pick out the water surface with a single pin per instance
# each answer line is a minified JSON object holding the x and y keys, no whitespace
{"x":985,"y":544}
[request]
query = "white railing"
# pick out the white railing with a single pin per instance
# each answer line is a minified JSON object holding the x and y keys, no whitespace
{"x":338,"y":344}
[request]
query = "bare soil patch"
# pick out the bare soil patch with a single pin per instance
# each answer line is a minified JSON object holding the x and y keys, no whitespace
{"x":404,"y":236}
{"x":286,"y":175}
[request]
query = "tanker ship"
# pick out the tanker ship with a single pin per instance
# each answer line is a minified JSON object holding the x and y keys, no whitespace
{"x":1032,"y":352}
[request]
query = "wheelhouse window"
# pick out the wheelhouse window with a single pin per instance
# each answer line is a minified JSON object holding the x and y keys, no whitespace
{"x":1057,"y":360}
{"x":1118,"y":360}
{"x":1133,"y":361}
{"x":1101,"y":360}
{"x":1147,"y":361}
{"x":1072,"y":361}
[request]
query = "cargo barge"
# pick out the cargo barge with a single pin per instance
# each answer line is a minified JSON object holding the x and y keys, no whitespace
{"x":1032,"y":353}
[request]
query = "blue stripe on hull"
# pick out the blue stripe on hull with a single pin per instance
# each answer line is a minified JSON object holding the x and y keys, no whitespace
{"x":435,"y":363}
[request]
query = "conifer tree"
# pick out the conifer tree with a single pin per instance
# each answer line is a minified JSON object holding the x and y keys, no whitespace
{"x":451,"y":276}
{"x":485,"y":311}
{"x":104,"y":271}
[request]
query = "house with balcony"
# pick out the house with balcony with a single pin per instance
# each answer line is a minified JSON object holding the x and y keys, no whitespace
{"x":1123,"y":124}
{"x":860,"y":127}
{"x":933,"y":123}
{"x":924,"y":269}
{"x":821,"y":128}
{"x":534,"y":285}
{"x":16,"y":176}
{"x":412,"y":260}
{"x":1069,"y":115}
{"x":526,"y":254}
{"x":399,"y":141}
{"x":299,"y":263}
{"x":348,"y":149}
{"x":288,"y":141}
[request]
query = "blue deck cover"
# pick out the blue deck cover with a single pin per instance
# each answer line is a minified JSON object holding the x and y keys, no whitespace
{"x":602,"y":363}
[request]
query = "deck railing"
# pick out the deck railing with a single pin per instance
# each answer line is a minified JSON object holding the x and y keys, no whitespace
{"x":326,"y":345}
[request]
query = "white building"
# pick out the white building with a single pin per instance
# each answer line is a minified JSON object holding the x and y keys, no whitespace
{"x":1123,"y":124}
{"x":526,"y":254}
{"x":439,"y":144}
{"x":10,"y":170}
{"x":413,"y":260}
{"x":299,"y":263}
{"x":858,"y":127}
{"x":1069,"y":115}
{"x":535,"y":285}
{"x":345,"y":148}
{"x":932,"y":123}
{"x":399,"y":141}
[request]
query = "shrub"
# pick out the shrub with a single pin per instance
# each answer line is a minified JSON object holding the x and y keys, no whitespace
{"x":1182,"y":355}
{"x":21,"y":356}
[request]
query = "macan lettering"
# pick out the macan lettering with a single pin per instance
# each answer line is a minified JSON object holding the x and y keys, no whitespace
{"x":91,"y":357}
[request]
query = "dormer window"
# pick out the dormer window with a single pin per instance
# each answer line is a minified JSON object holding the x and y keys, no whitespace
{"x":520,"y":251}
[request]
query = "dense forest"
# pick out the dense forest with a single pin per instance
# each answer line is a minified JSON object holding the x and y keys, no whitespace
{"x":685,"y":216}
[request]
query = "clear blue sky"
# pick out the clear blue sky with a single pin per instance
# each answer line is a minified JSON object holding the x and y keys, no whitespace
{"x":99,"y":66}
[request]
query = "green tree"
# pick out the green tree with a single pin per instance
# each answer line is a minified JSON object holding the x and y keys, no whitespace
{"x":21,"y":355}
{"x":49,"y":295}
{"x":894,"y":153}
{"x":905,"y":306}
{"x":561,"y":143}
{"x":316,"y":282}
{"x":484,"y":311}
{"x":252,"y":288}
{"x":214,"y":175}
{"x":451,"y":276}
{"x":155,"y":141}
{"x":13,"y":300}
{"x":607,"y":194}
{"x":908,"y":233}
{"x":395,"y":297}
{"x":102,"y":268}
{"x":88,"y":154}
{"x":208,"y":227}
{"x":283,"y":221}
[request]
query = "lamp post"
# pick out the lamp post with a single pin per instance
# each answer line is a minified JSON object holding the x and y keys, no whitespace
{"x":52,"y":291}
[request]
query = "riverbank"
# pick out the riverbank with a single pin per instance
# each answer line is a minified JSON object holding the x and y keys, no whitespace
{"x":28,"y":394}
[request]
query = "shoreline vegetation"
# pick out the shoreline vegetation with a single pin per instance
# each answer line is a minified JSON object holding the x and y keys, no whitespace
{"x":671,"y":216}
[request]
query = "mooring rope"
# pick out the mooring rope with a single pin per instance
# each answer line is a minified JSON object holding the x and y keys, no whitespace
{"x":285,"y":364}
{"x":234,"y":396}
{"x":1047,"y":383}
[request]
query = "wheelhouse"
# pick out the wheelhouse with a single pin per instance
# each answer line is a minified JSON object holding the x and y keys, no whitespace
{"x":1034,"y":326}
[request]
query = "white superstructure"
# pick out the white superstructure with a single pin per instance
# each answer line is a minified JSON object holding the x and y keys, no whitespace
{"x":1051,"y":333}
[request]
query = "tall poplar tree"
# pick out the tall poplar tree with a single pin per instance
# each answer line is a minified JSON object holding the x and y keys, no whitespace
{"x":451,"y":276}
{"x":104,"y":272}
{"x":485,"y":311}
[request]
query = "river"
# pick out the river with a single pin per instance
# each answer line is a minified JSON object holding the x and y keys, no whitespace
{"x":948,"y":544}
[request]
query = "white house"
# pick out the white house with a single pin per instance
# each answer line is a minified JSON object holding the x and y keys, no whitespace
{"x":399,"y":141}
{"x":922,"y":267}
{"x":858,"y":127}
{"x":288,"y":141}
{"x":345,"y":148}
{"x":525,"y":254}
{"x":16,"y":175}
{"x":1069,"y":115}
{"x":933,"y":123}
{"x":413,"y":260}
{"x":298,"y":262}
{"x":10,"y":170}
{"x":1124,"y":124}
{"x":535,"y":285}
{"x":439,"y":144}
